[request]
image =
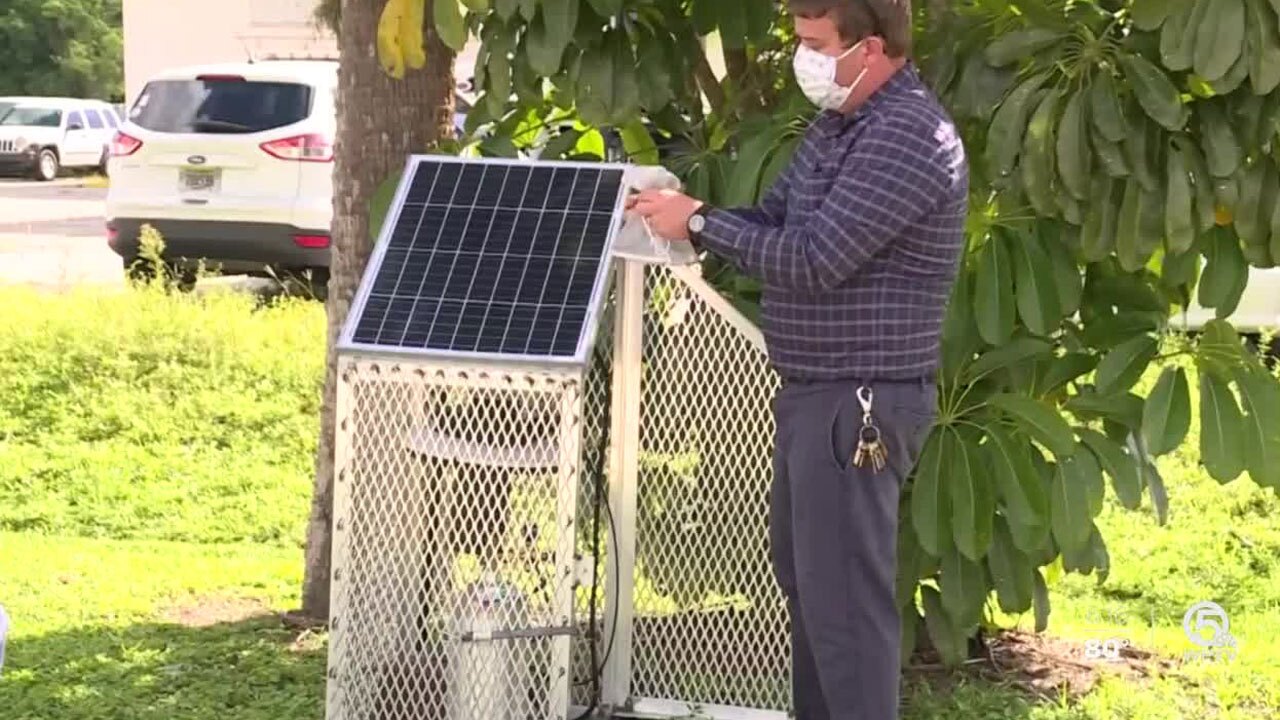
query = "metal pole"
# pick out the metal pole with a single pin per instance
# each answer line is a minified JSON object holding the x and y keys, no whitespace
{"x":567,"y":498}
{"x":623,"y":470}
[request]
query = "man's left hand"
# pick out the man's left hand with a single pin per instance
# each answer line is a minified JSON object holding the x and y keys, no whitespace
{"x":667,"y":211}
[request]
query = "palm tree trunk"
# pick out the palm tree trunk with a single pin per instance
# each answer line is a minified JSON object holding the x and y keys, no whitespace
{"x":380,"y":121}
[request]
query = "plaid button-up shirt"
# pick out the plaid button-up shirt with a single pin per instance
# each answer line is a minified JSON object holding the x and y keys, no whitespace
{"x":857,"y":243}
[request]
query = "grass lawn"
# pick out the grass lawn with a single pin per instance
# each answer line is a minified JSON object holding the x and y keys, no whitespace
{"x":155,"y":460}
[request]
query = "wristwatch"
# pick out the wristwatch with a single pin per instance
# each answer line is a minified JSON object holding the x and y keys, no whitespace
{"x":698,"y":222}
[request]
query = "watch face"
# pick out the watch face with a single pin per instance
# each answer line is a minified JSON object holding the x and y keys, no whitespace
{"x":696,"y":223}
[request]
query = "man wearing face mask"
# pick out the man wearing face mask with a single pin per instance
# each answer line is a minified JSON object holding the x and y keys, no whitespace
{"x":857,"y":246}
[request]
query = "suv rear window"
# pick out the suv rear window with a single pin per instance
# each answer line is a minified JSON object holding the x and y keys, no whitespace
{"x":220,"y":106}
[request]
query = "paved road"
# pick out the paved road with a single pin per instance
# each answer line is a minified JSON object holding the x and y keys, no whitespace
{"x":51,"y":234}
{"x":62,"y":208}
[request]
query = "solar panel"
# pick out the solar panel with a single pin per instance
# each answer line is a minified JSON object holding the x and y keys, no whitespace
{"x":484,"y":258}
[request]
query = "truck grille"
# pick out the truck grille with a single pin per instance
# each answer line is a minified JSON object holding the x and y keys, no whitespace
{"x":8,"y":146}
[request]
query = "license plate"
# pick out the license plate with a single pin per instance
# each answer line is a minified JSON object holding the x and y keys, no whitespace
{"x":198,"y":180}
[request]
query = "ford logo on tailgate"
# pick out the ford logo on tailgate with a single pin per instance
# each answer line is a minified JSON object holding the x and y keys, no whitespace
{"x":196,"y":160}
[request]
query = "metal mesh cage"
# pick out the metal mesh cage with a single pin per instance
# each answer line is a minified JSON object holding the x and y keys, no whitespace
{"x":468,"y":541}
{"x":455,"y":549}
{"x":710,"y":626}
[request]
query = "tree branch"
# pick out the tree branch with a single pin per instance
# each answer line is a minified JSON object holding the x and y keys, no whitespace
{"x":709,"y":85}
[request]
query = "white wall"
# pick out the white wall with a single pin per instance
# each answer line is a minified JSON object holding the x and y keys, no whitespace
{"x":160,"y":34}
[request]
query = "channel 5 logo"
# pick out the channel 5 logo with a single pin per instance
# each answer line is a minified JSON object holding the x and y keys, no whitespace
{"x":1208,"y":627}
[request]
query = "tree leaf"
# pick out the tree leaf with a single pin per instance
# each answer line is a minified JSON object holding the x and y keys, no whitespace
{"x":1219,"y":350}
{"x":1125,"y":409}
{"x":950,"y":642}
{"x":1150,"y":14}
{"x":656,"y":90}
{"x":506,"y":9}
{"x":545,"y":50}
{"x":1222,"y":430}
{"x":1003,"y":356}
{"x":1177,"y":35}
{"x":910,"y":561}
{"x":1105,"y":110}
{"x":1219,"y":39}
{"x":1073,"y":152}
{"x":638,"y":143}
{"x":561,"y":17}
{"x":1040,"y":598}
{"x":1067,"y":279}
{"x":1225,"y":274}
{"x":1221,"y":149}
{"x":964,"y":588}
{"x":1069,"y":504}
{"x":557,"y":146}
{"x":1039,"y":420}
{"x":1179,"y":210}
{"x":993,"y":291}
{"x":1024,"y":496}
{"x":972,"y":497}
{"x":450,"y":26}
{"x":1155,"y":92}
{"x":1263,"y":47}
{"x":1167,"y":415}
{"x":744,"y":181}
{"x":930,"y":503}
{"x":1011,"y":571}
{"x":1124,"y":364}
{"x":1064,"y":369}
{"x":606,"y":8}
{"x":1010,"y":120}
{"x":1098,"y":238}
{"x":1260,"y":396}
{"x":1121,"y":466}
{"x":1011,"y":47}
{"x":1034,"y":289}
{"x":1038,"y":156}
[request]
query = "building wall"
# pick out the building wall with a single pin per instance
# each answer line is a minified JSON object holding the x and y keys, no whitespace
{"x":159,"y":34}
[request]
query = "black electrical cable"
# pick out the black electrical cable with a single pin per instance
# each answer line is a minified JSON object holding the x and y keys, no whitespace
{"x":601,"y":490}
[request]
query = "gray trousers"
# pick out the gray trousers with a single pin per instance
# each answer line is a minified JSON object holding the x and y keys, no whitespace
{"x":833,"y":542}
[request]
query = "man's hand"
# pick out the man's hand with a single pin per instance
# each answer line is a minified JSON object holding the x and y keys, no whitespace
{"x":667,"y":212}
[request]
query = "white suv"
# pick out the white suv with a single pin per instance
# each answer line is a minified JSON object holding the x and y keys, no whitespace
{"x":41,"y":135}
{"x":232,"y":164}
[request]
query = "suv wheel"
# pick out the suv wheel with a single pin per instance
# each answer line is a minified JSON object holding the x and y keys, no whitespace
{"x":47,"y":165}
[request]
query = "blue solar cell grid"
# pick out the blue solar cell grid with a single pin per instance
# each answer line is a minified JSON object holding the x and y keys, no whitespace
{"x":492,"y":258}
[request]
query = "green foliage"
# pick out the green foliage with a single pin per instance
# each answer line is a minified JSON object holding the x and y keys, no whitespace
{"x":62,"y":47}
{"x":149,"y":630}
{"x":106,"y":628}
{"x":145,"y":414}
{"x":1116,"y":148}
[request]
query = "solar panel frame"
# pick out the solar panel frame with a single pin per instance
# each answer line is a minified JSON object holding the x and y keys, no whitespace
{"x":587,"y":337}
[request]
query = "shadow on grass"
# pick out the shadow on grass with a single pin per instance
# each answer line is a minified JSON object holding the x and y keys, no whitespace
{"x":248,"y":670}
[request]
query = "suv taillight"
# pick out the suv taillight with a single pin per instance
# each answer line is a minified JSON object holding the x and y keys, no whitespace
{"x":313,"y":147}
{"x":123,"y":145}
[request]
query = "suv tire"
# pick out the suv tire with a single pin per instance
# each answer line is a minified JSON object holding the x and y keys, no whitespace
{"x":47,"y":165}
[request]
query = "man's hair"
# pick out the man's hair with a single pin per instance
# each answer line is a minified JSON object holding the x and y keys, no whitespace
{"x":860,"y":19}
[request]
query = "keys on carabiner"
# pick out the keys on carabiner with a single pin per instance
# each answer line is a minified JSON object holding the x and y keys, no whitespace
{"x":871,"y":449}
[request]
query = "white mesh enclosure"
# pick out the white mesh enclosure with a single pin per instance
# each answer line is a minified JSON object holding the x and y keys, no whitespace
{"x":710,"y":626}
{"x":468,"y":539}
{"x":454,"y":560}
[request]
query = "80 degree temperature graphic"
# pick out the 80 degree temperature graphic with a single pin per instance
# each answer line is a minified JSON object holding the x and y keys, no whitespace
{"x":1107,"y":650}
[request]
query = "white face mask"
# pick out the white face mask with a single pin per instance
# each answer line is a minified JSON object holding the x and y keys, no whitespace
{"x":816,"y":74}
